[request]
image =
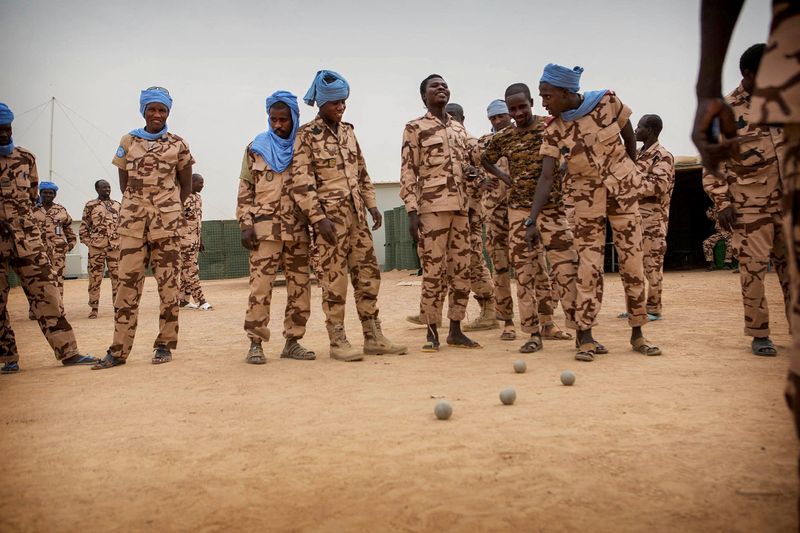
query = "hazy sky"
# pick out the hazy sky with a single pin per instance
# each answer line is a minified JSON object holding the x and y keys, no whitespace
{"x":221,"y":59}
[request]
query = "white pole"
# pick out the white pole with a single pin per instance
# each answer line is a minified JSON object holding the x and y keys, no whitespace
{"x":52,"y":112}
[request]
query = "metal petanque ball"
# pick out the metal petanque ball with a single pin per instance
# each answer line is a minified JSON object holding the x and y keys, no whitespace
{"x":443,"y":410}
{"x":508,"y":396}
{"x":567,"y":378}
{"x":519,"y":366}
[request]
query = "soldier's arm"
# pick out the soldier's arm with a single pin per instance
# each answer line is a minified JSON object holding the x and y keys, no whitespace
{"x":364,"y":181}
{"x":409,"y":170}
{"x":245,"y":201}
{"x":629,"y":138}
{"x":716,"y":187}
{"x":69,"y":233}
{"x":489,"y":161}
{"x":34,"y":180}
{"x":304,"y":190}
{"x":185,"y":182}
{"x":86,"y":224}
{"x":123,"y":180}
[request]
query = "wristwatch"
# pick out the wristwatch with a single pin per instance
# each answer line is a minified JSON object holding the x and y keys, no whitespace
{"x":528,"y":222}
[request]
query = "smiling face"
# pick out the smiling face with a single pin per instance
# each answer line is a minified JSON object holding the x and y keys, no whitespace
{"x":437,"y":93}
{"x":155,"y":117}
{"x":333,"y":111}
{"x":520,"y":109}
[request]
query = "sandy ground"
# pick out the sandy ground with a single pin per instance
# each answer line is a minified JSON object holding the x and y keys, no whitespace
{"x":696,"y":440}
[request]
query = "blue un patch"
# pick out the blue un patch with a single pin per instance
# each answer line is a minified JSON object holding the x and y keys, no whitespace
{"x":120,"y":152}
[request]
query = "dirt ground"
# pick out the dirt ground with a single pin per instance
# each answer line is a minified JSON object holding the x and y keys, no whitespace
{"x":696,"y":440}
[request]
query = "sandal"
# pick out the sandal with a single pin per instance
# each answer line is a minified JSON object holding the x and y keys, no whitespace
{"x":12,"y":367}
{"x":161,"y":355}
{"x":599,"y":349}
{"x":586,"y":352}
{"x":295,"y":351}
{"x":79,"y":359}
{"x":763,"y":347}
{"x":430,"y":347}
{"x":471,"y":345}
{"x":534,"y":344}
{"x":509,"y":334}
{"x":642,"y":346}
{"x":108,"y":361}
{"x":556,"y":335}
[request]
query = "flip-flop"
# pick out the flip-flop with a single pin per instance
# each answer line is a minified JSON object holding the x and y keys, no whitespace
{"x":652,"y":318}
{"x":11,"y":367}
{"x":763,"y":348}
{"x":642,"y":346}
{"x":586,"y":352}
{"x":532,"y":345}
{"x":430,"y":347}
{"x":558,"y":336}
{"x":473,"y":346}
{"x":81,"y":360}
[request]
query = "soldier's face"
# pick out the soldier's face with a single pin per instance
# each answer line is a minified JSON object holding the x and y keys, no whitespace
{"x":519,"y":107}
{"x":5,"y":134}
{"x":500,"y":121}
{"x":197,"y":184}
{"x":333,"y":111}
{"x":104,"y":189}
{"x":155,"y":115}
{"x":48,"y":196}
{"x":280,"y":120}
{"x":554,"y":99}
{"x":641,"y":131}
{"x":437,"y":93}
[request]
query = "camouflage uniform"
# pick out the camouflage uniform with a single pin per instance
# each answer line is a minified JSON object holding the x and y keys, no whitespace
{"x":603,"y":184}
{"x":99,"y":233}
{"x":190,"y":249}
{"x":331,"y":181}
{"x":656,"y":167}
{"x":753,"y":187}
{"x":479,"y":276}
{"x":521,"y":148}
{"x":265,"y":205}
{"x":149,"y":224}
{"x":719,"y":235}
{"x":24,"y":251}
{"x":432,"y":183}
{"x":58,"y":238}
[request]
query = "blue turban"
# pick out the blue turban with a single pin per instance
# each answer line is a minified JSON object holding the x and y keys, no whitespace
{"x":558,"y":76}
{"x":48,"y":186}
{"x":275,"y":150}
{"x":154,"y":94}
{"x":6,"y":116}
{"x":497,"y":107}
{"x":328,"y":86}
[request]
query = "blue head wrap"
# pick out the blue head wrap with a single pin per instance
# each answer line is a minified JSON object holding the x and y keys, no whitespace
{"x":497,"y":107}
{"x":6,"y":116}
{"x":328,"y":86}
{"x":276,"y":151}
{"x":48,"y":186}
{"x":558,"y":76}
{"x":149,"y":96}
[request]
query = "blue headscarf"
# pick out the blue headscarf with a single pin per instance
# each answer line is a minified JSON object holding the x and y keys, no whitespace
{"x":6,"y":117}
{"x":328,"y":86}
{"x":276,"y":151}
{"x":570,"y":79}
{"x":150,"y":96}
{"x":48,"y":186}
{"x":497,"y":107}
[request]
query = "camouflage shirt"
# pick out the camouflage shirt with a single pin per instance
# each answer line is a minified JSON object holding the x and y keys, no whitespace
{"x":328,"y":171}
{"x":752,"y":184}
{"x":499,"y":194}
{"x":433,"y":158}
{"x":656,"y":168}
{"x":99,"y":223}
{"x":192,"y":219}
{"x":19,"y":182}
{"x":55,"y":225}
{"x":265,"y":202}
{"x":152,"y":200}
{"x":521,"y":148}
{"x":593,"y":149}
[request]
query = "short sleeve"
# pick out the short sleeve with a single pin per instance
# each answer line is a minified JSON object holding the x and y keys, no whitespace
{"x":121,"y":156}
{"x":184,"y":156}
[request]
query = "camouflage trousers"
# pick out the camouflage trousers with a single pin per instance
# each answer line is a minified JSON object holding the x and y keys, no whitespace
{"x":593,"y":206}
{"x":190,"y":274}
{"x":58,"y":262}
{"x":99,"y":258}
{"x":480,"y":279}
{"x":710,"y":243}
{"x":654,"y":247}
{"x":497,"y":246}
{"x":313,"y":255}
{"x":758,"y":238}
{"x":543,"y":288}
{"x":445,"y":256}
{"x":791,"y":231}
{"x":33,"y":268}
{"x":163,"y":255}
{"x":353,"y":254}
{"x":264,"y":263}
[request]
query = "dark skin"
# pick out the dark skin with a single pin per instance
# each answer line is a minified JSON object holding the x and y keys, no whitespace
{"x":332,"y":113}
{"x":501,"y":121}
{"x":103,"y":189}
{"x":47,"y":196}
{"x":197,"y":186}
{"x":557,"y":100}
{"x":155,"y":117}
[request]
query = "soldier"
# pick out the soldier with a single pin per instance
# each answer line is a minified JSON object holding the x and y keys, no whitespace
{"x":588,"y":131}
{"x":433,"y":188}
{"x":55,"y":225}
{"x":747,"y":195}
{"x":656,"y":166}
{"x":191,"y":246}
{"x":720,"y":234}
{"x":99,"y":233}
{"x":155,"y":176}
{"x":520,"y":146}
{"x":22,"y":248}
{"x":275,"y":231}
{"x":334,"y":191}
{"x":480,"y":278}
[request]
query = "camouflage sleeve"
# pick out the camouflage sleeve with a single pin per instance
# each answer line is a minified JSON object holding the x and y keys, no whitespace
{"x":86,"y":224}
{"x":367,"y":188}
{"x":34,"y":179}
{"x":657,"y":180}
{"x":409,"y":169}
{"x":244,"y":173}
{"x":121,"y":156}
{"x":493,"y":151}
{"x":620,"y":111}
{"x":304,"y":190}
{"x":69,"y":233}
{"x":184,"y":156}
{"x":717,"y":189}
{"x":549,"y":146}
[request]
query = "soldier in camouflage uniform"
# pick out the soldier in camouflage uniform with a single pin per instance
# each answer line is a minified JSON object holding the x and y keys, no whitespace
{"x":720,"y":234}
{"x":334,"y":191}
{"x":520,"y":146}
{"x":22,"y":248}
{"x":588,"y":131}
{"x":656,"y":167}
{"x":55,"y":225}
{"x":98,"y":232}
{"x":275,"y":231}
{"x":748,"y":193}
{"x":155,"y":174}
{"x":433,"y":188}
{"x":191,"y":246}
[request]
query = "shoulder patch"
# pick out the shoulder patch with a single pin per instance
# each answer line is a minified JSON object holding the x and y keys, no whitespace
{"x":121,"y":152}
